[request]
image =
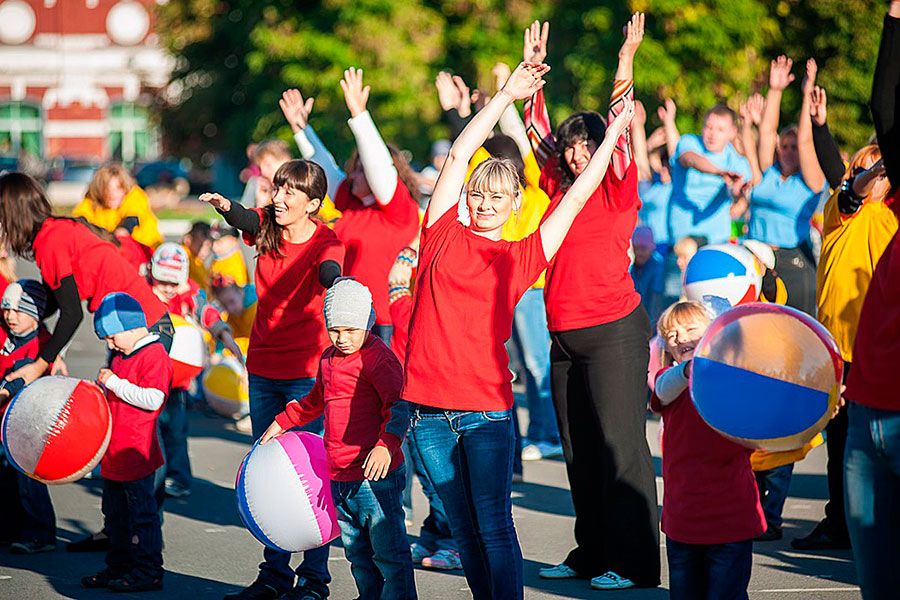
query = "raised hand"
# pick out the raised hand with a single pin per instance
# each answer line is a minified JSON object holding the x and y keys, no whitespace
{"x":355,"y":94}
{"x":448,"y":95}
{"x":534,"y":49}
{"x":640,"y":114}
{"x":526,"y":80}
{"x":501,"y":73}
{"x":464,"y":97}
{"x":666,"y":112}
{"x":216,"y":200}
{"x":809,"y":82}
{"x":296,"y":110}
{"x":634,"y":35}
{"x":756,"y":104}
{"x":780,"y":75}
{"x":818,"y":102}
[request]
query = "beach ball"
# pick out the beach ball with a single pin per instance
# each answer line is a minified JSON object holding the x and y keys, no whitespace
{"x":766,"y":376}
{"x":188,"y":352}
{"x":723,"y":270}
{"x":225,"y":388}
{"x":284,"y":493}
{"x":57,"y":429}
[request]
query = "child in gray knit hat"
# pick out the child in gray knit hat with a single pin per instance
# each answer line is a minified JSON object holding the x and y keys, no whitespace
{"x":358,"y":390}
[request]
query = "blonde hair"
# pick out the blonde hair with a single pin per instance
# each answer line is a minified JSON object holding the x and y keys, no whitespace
{"x":100,"y":181}
{"x":495,"y":175}
{"x":680,"y":313}
{"x":277,"y":149}
{"x":864,"y":158}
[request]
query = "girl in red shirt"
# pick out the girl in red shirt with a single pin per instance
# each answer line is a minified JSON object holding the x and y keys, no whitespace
{"x":77,"y":261}
{"x":299,"y":258}
{"x":599,"y":333}
{"x":457,"y":376}
{"x":377,"y":196}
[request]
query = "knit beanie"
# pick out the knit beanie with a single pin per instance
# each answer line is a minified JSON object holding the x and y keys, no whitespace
{"x":118,"y":312}
{"x":170,"y":264}
{"x":27,"y":296}
{"x":348,"y":303}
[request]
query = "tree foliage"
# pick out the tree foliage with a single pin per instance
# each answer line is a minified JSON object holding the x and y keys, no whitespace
{"x":236,"y":56}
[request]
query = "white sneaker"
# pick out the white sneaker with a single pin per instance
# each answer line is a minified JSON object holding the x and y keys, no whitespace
{"x":532,"y":452}
{"x":443,"y":560}
{"x":418,"y":552}
{"x":611,"y":581}
{"x":560,"y":571}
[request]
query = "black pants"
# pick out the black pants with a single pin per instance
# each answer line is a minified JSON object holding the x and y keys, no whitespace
{"x":799,"y":276}
{"x":835,"y":443}
{"x":132,"y":522}
{"x":599,"y":379}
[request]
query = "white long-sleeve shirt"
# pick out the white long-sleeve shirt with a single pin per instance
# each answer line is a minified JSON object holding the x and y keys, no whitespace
{"x":145,"y":398}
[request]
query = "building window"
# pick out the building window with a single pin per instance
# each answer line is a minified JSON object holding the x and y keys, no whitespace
{"x":20,"y":128}
{"x":131,"y":136}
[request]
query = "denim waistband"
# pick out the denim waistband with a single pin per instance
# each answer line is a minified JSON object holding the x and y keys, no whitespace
{"x":428,"y":410}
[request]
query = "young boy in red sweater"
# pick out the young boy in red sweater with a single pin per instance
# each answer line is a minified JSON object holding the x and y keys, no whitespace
{"x":137,"y":382}
{"x":358,"y":390}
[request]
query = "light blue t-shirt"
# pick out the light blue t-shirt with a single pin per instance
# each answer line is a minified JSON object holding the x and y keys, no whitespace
{"x":654,"y":211}
{"x":700,"y":202}
{"x":780,"y":209}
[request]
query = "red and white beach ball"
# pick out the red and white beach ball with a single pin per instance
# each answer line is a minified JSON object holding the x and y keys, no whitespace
{"x":56,"y":429}
{"x":188,"y":352}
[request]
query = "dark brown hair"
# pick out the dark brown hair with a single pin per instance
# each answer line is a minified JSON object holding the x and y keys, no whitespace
{"x":23,"y":209}
{"x":302,"y":175}
{"x":404,"y":170}
{"x":579,"y":127}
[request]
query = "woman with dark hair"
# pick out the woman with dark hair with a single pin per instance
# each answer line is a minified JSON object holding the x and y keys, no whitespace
{"x":599,"y":334}
{"x":378,"y":195}
{"x":298,"y":258}
{"x":78,"y":261}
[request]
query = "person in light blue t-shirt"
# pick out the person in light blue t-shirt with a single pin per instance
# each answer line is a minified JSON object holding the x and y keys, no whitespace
{"x":708,"y":173}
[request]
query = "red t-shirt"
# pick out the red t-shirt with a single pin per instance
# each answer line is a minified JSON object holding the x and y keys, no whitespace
{"x":374,"y":236}
{"x":10,"y":354}
{"x":710,"y":490}
{"x":136,"y":253}
{"x":134,"y":451}
{"x":588,"y":282}
{"x":288,"y":334}
{"x":65,"y":247}
{"x":357,"y":393}
{"x":877,"y":347}
{"x":466,"y":292}
{"x":401,"y":309}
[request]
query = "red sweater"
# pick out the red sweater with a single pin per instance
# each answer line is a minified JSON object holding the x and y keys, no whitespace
{"x":366,"y":386}
{"x":710,"y":490}
{"x":877,"y":347}
{"x":401,"y":310}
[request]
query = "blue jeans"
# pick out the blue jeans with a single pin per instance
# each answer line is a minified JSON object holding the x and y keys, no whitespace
{"x":715,"y":572}
{"x":173,"y":429}
{"x":130,"y":512}
{"x":268,"y":397}
{"x":468,"y":456}
{"x":872,"y":498}
{"x":774,"y":485}
{"x":435,"y":533}
{"x":373,"y":532}
{"x":28,"y":515}
{"x":531,"y":335}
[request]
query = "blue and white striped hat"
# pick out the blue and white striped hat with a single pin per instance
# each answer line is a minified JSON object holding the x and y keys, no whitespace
{"x":118,"y":312}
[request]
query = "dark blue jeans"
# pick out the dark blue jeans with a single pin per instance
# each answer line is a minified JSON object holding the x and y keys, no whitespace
{"x":715,"y":572}
{"x":774,"y":485}
{"x":468,"y":456}
{"x":872,"y":498}
{"x":373,"y":532}
{"x":531,"y":335}
{"x":435,"y":533}
{"x":268,"y":397}
{"x":173,"y":429}
{"x":29,"y":516}
{"x":132,"y":523}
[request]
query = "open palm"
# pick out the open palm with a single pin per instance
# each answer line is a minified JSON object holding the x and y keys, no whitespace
{"x":527,"y":79}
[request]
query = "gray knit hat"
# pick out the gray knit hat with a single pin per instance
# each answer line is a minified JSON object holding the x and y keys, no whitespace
{"x":27,"y":296}
{"x":348,"y":303}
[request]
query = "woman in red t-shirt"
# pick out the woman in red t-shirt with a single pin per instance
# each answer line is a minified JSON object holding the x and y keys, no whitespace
{"x":457,"y":376}
{"x":377,"y":196}
{"x":299,"y":258}
{"x":599,"y":351}
{"x":77,"y":261}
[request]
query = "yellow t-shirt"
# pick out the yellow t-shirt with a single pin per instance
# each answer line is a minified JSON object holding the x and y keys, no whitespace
{"x":851,"y":247}
{"x":135,"y":204}
{"x":328,"y":212}
{"x":197,"y":270}
{"x":763,"y":460}
{"x":231,"y":265}
{"x":534,"y":204}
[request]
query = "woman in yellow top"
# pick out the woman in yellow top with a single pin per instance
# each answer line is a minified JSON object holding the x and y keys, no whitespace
{"x":113,"y":195}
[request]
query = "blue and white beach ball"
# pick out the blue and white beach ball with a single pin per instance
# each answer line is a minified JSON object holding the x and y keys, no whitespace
{"x":723,"y":270}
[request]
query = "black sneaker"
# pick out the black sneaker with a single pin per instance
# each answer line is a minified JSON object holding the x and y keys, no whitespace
{"x":135,"y":582}
{"x":772,"y":534}
{"x":176,"y":490}
{"x":306,"y":590}
{"x":31,"y":548}
{"x":96,"y":542}
{"x":98,"y":581}
{"x":257,"y":590}
{"x":821,"y":538}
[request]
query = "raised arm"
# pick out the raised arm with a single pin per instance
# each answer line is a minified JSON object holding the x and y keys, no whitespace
{"x":537,"y":119}
{"x":511,"y":123}
{"x":297,"y":110}
{"x":374,"y":155}
{"x":884,"y":94}
{"x":234,"y":213}
{"x":666,"y":114}
{"x":524,"y":81}
{"x":623,"y":91}
{"x":557,"y":224}
{"x":827,"y":152}
{"x":751,"y":114}
{"x":812,"y":174}
{"x":639,"y":139}
{"x":779,"y":78}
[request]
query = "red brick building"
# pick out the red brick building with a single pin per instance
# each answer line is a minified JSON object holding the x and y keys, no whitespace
{"x":76,"y":77}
